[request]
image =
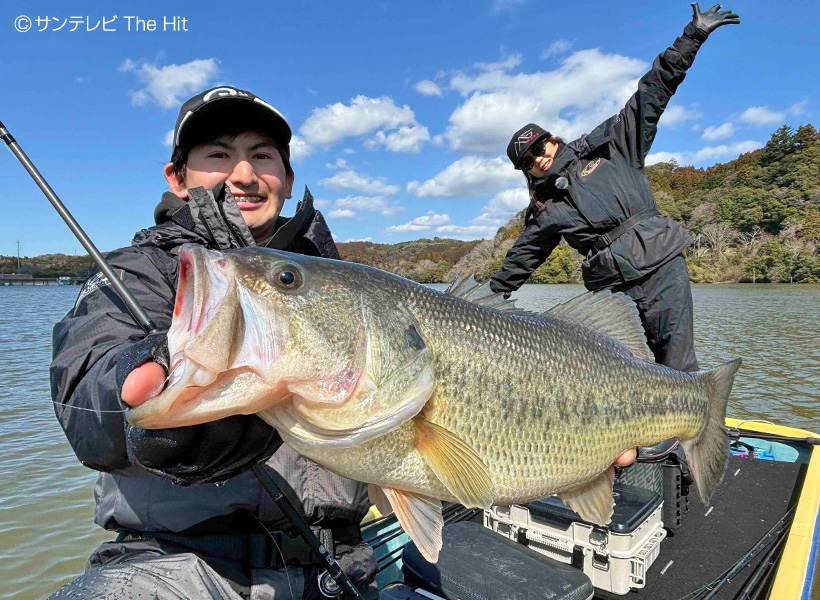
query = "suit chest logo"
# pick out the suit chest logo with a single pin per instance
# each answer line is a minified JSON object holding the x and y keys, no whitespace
{"x":591,"y":166}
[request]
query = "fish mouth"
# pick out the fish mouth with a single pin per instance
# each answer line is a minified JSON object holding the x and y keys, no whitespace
{"x":208,"y":370}
{"x":184,"y":403}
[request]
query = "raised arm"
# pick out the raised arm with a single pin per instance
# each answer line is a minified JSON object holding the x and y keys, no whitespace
{"x":636,"y":125}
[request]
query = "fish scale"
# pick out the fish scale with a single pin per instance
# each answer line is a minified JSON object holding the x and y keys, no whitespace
{"x":546,"y":373}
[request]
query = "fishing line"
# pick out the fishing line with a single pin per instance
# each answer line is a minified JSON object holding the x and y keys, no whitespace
{"x":282,"y":554}
{"x":122,"y":410}
{"x":94,"y":410}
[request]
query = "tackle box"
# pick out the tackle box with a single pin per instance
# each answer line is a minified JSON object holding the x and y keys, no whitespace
{"x":615,"y":558}
{"x":476,"y":564}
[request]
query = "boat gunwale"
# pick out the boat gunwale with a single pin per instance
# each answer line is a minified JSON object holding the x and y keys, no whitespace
{"x":795,"y":570}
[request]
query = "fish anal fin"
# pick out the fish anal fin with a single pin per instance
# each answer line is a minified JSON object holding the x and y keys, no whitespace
{"x":593,"y":501}
{"x":378,"y":499}
{"x":455,"y":464}
{"x":615,"y":315}
{"x":421,"y":519}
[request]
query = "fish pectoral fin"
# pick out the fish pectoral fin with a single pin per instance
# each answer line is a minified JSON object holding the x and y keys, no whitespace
{"x":455,"y":464}
{"x":421,"y":519}
{"x":593,"y":501}
{"x":378,"y":499}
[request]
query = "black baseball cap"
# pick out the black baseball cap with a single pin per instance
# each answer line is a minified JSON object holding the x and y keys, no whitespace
{"x":523,"y":139}
{"x":211,"y":104}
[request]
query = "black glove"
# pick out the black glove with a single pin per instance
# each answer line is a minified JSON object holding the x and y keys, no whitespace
{"x":494,"y":287}
{"x":204,"y":453}
{"x":705,"y":23}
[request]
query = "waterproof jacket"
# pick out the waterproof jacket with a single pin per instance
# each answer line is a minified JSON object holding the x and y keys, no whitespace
{"x":89,"y":340}
{"x":606,"y":186}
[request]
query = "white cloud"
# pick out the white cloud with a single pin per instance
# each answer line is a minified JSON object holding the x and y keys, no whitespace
{"x":718,"y":132}
{"x":586,"y":88}
{"x":677,"y":114}
{"x":705,"y":154}
{"x":682,"y":158}
{"x":368,"y":204}
{"x":469,"y":176}
{"x":351,"y":180}
{"x":362,"y":115}
{"x":798,"y":108}
{"x":428,"y":221}
{"x":726,"y":151}
{"x":557,"y":47}
{"x":428,"y":88}
{"x":406,"y":139}
{"x":502,"y":207}
{"x":168,"y":140}
{"x":339,"y":164}
{"x":171,"y":85}
{"x":761,"y":115}
{"x":367,"y":239}
{"x":510,"y":62}
{"x":321,"y":204}
{"x":299,"y":148}
{"x":493,"y":215}
{"x":341,"y":213}
{"x":468,"y":232}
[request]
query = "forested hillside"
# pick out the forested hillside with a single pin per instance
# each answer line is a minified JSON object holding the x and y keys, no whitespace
{"x":754,"y":219}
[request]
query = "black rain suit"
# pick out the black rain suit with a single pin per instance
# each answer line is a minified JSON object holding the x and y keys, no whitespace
{"x":605,"y":187}
{"x":222,"y":520}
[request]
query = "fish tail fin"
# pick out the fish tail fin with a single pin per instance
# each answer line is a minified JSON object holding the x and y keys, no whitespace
{"x":708,"y":453}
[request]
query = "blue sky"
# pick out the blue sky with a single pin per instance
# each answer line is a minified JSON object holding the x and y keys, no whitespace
{"x":401,"y":110}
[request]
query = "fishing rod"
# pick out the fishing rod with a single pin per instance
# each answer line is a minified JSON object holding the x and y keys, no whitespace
{"x":343,"y":585}
{"x":136,"y":310}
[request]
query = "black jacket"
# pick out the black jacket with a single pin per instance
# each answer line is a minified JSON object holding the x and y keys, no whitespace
{"x":89,"y":340}
{"x":606,"y":186}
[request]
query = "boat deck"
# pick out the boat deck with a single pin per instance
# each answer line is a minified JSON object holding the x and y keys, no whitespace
{"x":751,"y":499}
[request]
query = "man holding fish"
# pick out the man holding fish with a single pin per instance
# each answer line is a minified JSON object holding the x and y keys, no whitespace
{"x":229,"y":177}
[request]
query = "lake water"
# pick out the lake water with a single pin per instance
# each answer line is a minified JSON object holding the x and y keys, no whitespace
{"x":46,"y":501}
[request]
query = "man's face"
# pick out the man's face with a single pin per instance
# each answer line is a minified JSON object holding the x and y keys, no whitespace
{"x":251,"y":166}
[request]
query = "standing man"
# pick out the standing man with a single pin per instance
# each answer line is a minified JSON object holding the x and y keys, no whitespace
{"x":593,"y":193}
{"x":181,"y":534}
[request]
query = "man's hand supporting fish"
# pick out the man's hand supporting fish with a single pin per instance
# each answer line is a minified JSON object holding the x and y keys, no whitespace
{"x":423,"y":395}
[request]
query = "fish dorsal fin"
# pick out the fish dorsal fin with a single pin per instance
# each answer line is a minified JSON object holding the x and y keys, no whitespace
{"x":421,"y":519}
{"x":615,"y":315}
{"x":455,"y":464}
{"x":593,"y":501}
{"x":468,"y":288}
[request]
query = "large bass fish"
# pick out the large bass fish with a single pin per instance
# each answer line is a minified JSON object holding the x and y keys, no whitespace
{"x":430,"y":396}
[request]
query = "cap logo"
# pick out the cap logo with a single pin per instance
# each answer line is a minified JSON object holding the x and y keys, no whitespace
{"x":523,"y":139}
{"x":224,"y":91}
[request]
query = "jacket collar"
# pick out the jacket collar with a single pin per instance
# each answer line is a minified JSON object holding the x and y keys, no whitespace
{"x":212,"y":217}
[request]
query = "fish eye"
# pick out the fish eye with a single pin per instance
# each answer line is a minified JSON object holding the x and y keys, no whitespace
{"x":288,"y":278}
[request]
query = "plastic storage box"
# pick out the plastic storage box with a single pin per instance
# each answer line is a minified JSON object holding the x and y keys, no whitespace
{"x":615,"y":558}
